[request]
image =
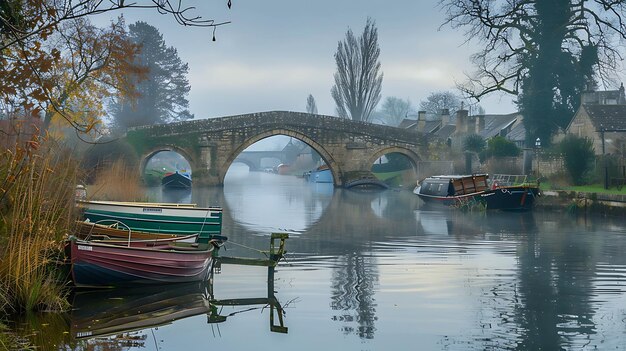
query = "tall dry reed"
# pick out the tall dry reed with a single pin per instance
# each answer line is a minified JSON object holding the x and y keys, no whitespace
{"x":119,"y":182}
{"x":37,"y":197}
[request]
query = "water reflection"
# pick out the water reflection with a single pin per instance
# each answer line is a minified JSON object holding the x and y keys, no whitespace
{"x":121,"y":318}
{"x":122,"y":312}
{"x":352,"y":296}
{"x":259,"y":197}
{"x":176,"y":195}
{"x":388,"y":271}
{"x":550,"y":299}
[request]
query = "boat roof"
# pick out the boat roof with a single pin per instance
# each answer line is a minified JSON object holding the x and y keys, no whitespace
{"x":458,"y":176}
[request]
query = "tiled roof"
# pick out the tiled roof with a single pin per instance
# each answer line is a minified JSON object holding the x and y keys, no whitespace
{"x":407,"y":123}
{"x":446,"y":131}
{"x":607,"y":116}
{"x":517,"y":134}
{"x":431,"y":126}
{"x":495,"y":123}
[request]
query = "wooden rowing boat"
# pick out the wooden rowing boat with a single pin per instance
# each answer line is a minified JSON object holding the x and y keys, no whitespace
{"x":166,"y":218}
{"x":102,"y":263}
{"x":112,"y":229}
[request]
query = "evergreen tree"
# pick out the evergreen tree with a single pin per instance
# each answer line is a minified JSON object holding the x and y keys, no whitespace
{"x":162,"y":95}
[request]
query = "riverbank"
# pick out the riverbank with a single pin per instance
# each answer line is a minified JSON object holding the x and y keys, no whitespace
{"x":585,"y":202}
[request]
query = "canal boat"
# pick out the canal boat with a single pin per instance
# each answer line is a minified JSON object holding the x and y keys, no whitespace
{"x":162,"y":218}
{"x":96,"y":263}
{"x":321,"y":174}
{"x":176,"y":180}
{"x":466,"y":190}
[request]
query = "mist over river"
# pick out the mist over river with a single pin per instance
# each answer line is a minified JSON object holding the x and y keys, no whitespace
{"x":377,"y":270}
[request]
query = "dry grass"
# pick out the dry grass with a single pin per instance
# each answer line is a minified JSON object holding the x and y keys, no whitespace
{"x":10,"y":341}
{"x":118,"y":182}
{"x":37,"y":198}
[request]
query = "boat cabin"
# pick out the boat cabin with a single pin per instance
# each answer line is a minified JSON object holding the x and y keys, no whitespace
{"x":454,"y":185}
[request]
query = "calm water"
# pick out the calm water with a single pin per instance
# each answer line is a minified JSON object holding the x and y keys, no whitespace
{"x":373,"y":271}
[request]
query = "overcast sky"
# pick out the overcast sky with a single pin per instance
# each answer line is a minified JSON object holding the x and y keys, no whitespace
{"x":275,"y":53}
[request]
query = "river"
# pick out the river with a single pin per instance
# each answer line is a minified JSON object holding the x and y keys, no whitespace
{"x":372,"y":270}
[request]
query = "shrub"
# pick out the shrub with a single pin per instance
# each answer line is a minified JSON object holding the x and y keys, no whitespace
{"x":579,"y":158}
{"x":499,"y":147}
{"x":473,"y":143}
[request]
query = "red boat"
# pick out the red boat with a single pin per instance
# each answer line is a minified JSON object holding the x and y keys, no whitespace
{"x":98,"y":263}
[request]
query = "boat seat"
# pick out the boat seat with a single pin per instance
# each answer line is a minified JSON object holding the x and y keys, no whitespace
{"x":184,"y":248}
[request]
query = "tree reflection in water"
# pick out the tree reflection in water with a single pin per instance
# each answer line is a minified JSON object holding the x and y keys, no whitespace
{"x":545,"y":302}
{"x":353,"y":284}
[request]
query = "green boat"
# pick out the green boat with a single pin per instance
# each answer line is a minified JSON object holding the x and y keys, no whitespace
{"x":166,"y":218}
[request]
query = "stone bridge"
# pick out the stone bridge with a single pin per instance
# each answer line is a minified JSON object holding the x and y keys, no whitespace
{"x":348,"y":147}
{"x":254,"y":159}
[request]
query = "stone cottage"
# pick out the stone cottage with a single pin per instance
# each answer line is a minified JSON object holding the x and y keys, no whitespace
{"x":601,"y":117}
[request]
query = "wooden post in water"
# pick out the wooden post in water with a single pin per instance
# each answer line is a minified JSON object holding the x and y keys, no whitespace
{"x":275,"y":254}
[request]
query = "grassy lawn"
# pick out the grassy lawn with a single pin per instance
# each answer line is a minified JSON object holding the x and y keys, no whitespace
{"x":593,"y":188}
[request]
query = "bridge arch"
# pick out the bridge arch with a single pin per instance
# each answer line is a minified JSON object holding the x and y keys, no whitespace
{"x":334,"y":166}
{"x":250,"y":165}
{"x":412,"y":156}
{"x":155,"y":150}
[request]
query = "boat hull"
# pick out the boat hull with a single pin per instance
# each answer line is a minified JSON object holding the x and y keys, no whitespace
{"x":160,"y":218}
{"x":176,"y":181}
{"x":101,"y":264}
{"x":514,"y":198}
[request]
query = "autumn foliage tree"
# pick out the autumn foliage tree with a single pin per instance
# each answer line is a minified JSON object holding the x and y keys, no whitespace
{"x":94,"y":66}
{"x":30,"y":66}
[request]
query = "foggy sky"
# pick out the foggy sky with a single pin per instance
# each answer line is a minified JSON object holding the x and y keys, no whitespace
{"x":275,"y":53}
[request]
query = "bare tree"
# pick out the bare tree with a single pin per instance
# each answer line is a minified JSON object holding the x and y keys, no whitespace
{"x":545,"y":52}
{"x":311,"y":107}
{"x":441,"y":100}
{"x":358,"y":79}
{"x":394,"y":110}
{"x":21,"y":20}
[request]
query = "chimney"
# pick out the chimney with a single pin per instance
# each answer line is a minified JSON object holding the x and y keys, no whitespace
{"x":480,"y":123}
{"x":421,"y":121}
{"x":461,"y":121}
{"x":445,"y":117}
